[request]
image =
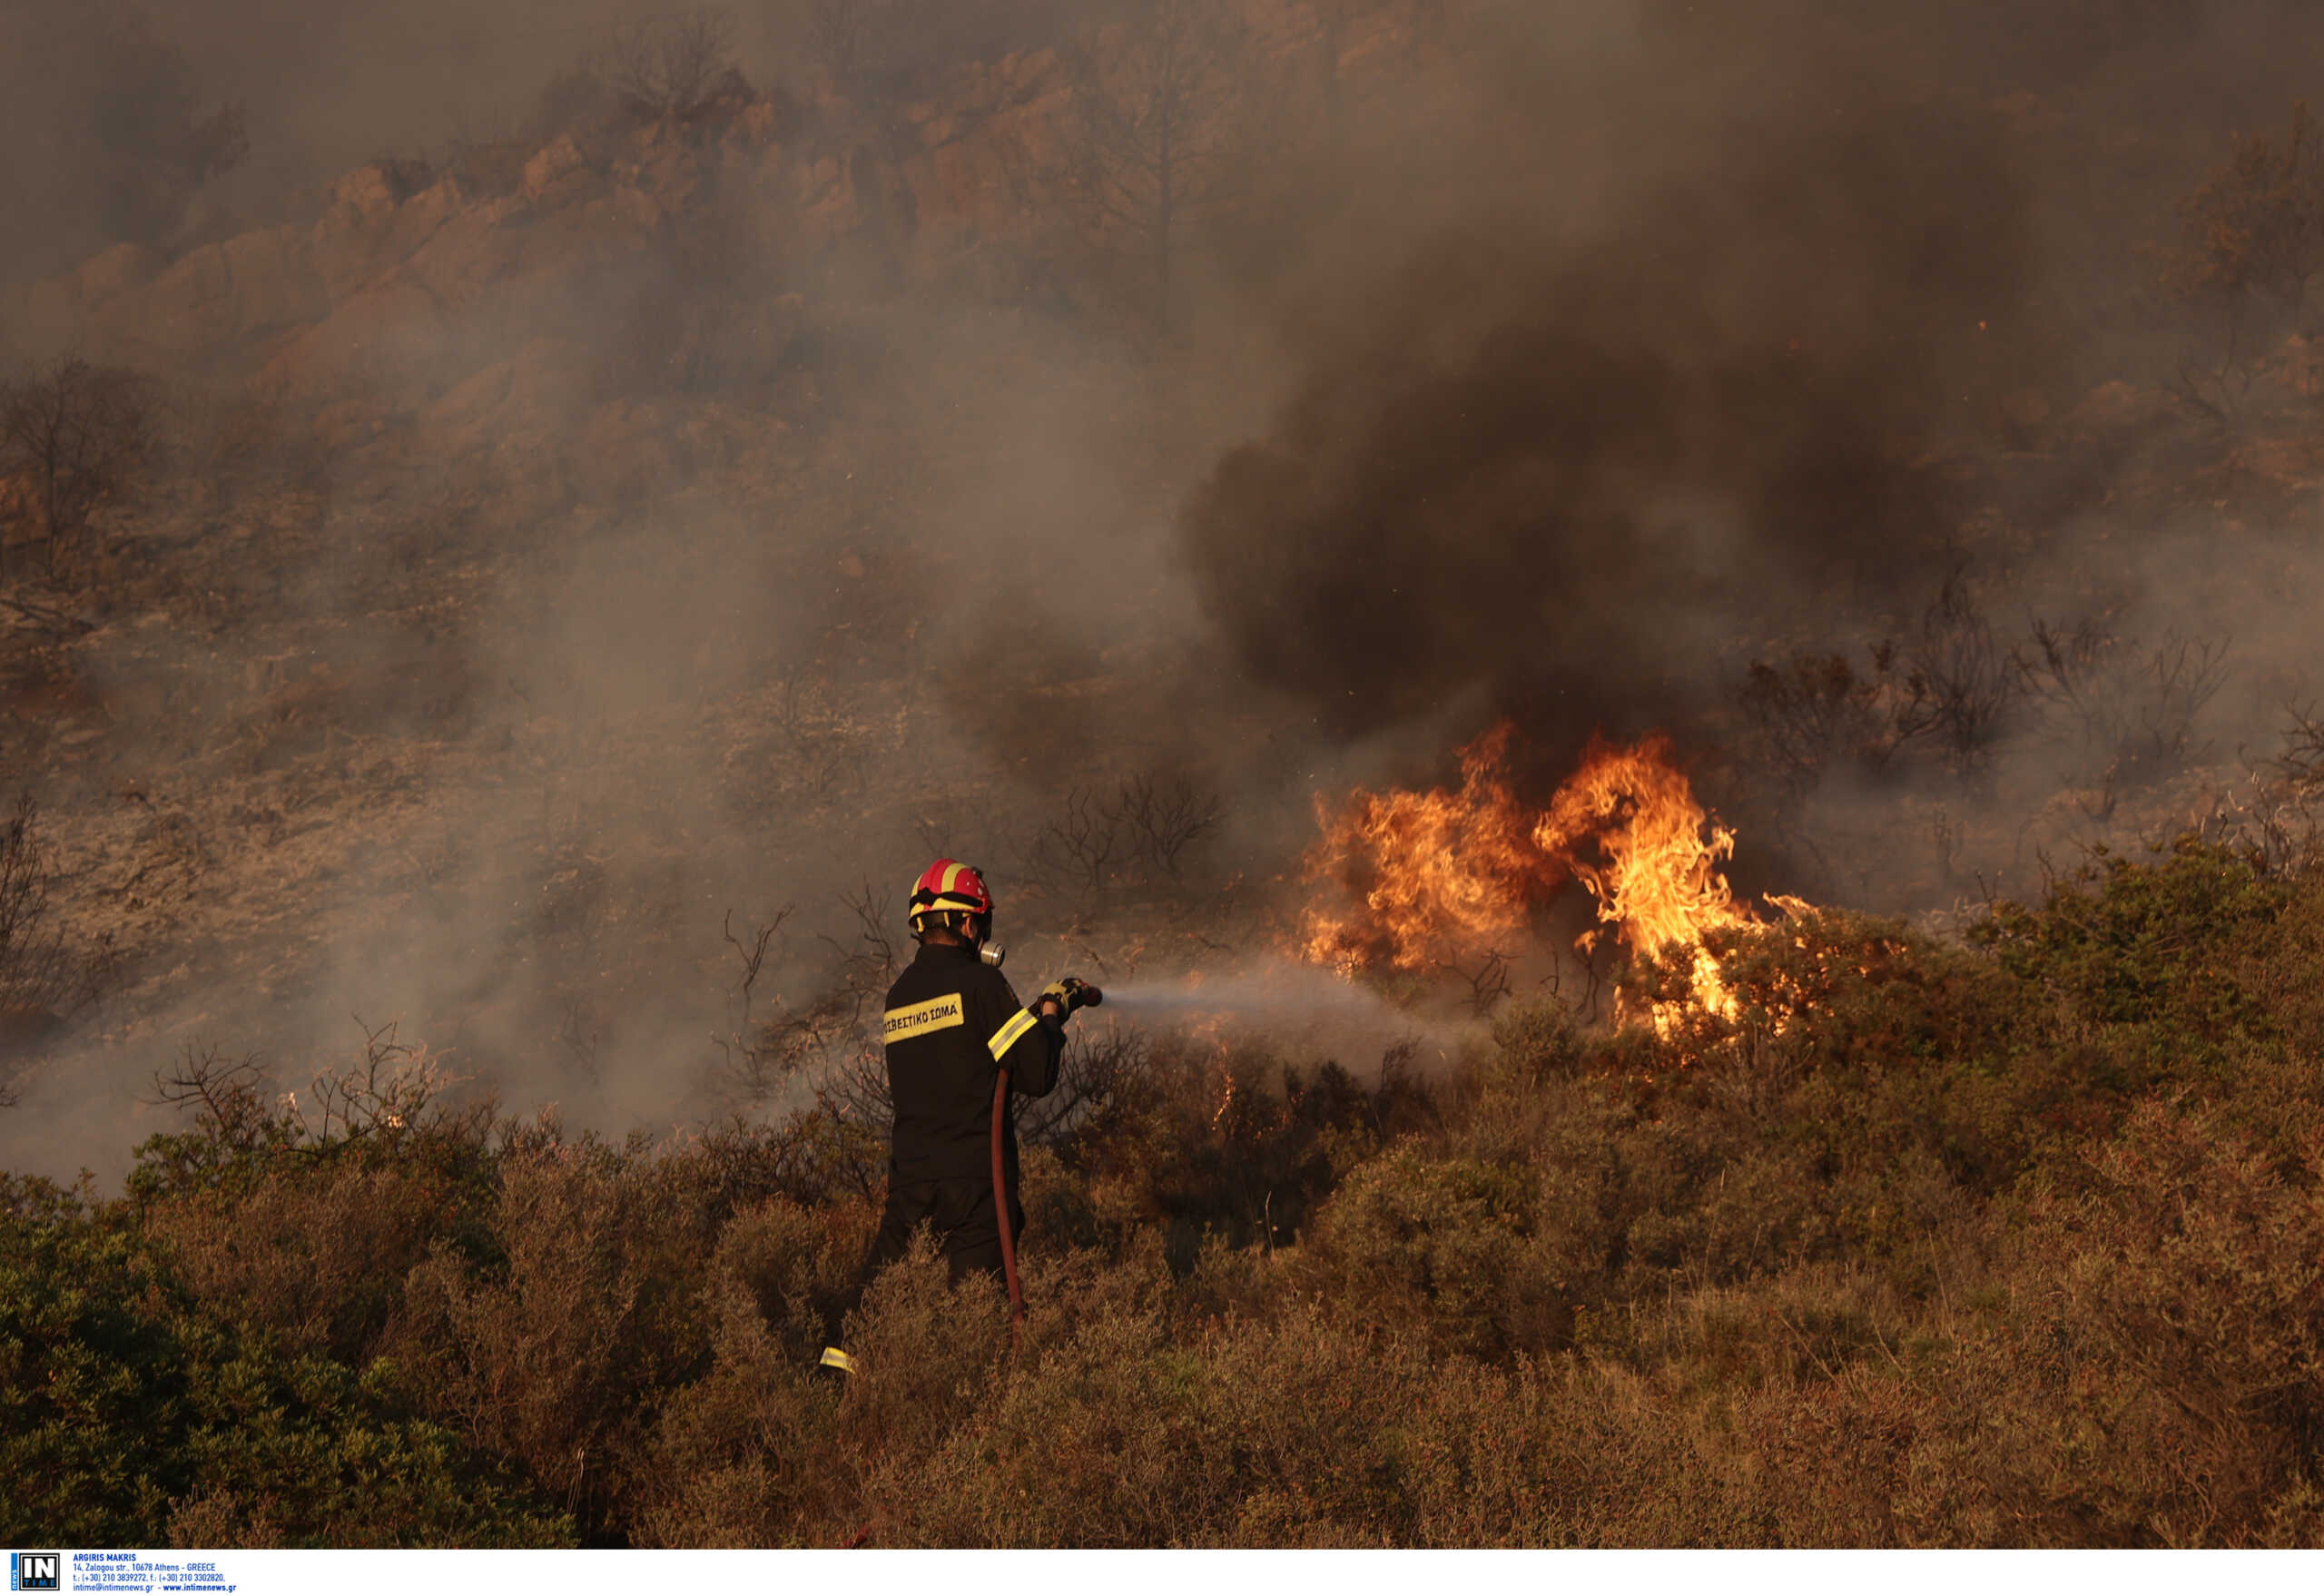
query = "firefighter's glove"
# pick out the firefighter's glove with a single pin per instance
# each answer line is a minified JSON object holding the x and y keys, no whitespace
{"x":1068,"y":994}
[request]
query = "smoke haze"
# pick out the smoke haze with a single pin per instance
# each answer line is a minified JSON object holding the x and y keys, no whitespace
{"x":659,"y":569}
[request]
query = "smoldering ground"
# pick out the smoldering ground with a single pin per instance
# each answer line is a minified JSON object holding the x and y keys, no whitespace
{"x":1577,"y":367}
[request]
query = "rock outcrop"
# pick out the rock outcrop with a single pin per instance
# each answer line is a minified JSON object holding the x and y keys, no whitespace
{"x":491,"y":311}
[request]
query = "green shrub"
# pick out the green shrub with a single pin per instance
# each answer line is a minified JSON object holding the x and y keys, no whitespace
{"x":2170,"y":1315}
{"x":129,"y":1417}
{"x":2154,"y":945}
{"x":317,"y":1256}
{"x":1441,"y":1245}
{"x":554,"y":1357}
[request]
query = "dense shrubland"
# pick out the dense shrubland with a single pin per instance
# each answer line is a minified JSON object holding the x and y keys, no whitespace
{"x":2013,"y":1241}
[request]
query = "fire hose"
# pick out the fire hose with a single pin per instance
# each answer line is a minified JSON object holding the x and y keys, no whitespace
{"x":1080,"y":994}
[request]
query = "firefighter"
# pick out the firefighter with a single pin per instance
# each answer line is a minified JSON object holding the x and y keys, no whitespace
{"x":953,"y":1025}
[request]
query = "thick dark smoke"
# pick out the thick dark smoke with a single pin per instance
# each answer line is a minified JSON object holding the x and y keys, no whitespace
{"x":1668,"y":375}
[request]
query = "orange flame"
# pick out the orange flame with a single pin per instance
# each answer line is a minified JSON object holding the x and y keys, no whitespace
{"x":1659,"y":883}
{"x":1442,"y":877}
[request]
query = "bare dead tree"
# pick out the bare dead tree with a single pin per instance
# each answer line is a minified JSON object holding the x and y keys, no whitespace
{"x":2281,"y":824}
{"x":1488,"y":981}
{"x":579,"y":1035}
{"x":868,"y":963}
{"x":390,"y":1089}
{"x":1963,"y":684}
{"x":665,"y":66}
{"x":79,"y":436}
{"x":1164,"y":820}
{"x":2136,"y":708}
{"x":2181,"y":676}
{"x":44,"y":975}
{"x":1083,"y":842}
{"x":2300,"y":761}
{"x":812,"y":721}
{"x":835,"y":33}
{"x":1815,"y":709}
{"x":829,"y":1039}
{"x":387,"y":1090}
{"x":1161,"y":129}
{"x":754,"y":1066}
{"x":1140,"y":830}
{"x":2251,"y":241}
{"x":2215,"y":369}
{"x":226,"y":1095}
{"x":32,"y":950}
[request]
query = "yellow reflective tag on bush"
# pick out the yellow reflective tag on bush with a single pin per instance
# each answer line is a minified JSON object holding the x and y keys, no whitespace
{"x":936,"y":1014}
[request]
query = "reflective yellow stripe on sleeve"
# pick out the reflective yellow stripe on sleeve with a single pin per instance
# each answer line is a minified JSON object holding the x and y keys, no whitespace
{"x":1023,"y":1020}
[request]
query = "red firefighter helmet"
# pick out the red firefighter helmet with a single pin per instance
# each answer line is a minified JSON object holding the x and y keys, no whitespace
{"x":949,"y":887}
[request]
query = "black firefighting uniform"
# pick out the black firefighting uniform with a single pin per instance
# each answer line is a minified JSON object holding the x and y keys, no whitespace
{"x":952,"y":1021}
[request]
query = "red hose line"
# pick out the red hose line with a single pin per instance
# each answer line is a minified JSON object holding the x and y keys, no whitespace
{"x":1000,"y":1209}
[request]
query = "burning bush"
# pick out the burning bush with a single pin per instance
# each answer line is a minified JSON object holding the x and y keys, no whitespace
{"x":1443,"y":881}
{"x":1433,"y":876}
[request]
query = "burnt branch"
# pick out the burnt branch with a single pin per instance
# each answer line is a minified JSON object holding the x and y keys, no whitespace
{"x":2134,"y":709}
{"x":1084,"y":843}
{"x":1962,"y":685}
{"x":81,"y":437}
{"x":225,"y":1095}
{"x":1817,"y":710}
{"x":45,"y":975}
{"x":1102,"y":1078}
{"x":670,"y":65}
{"x":387,"y":1089}
{"x":1487,"y":981}
{"x":1161,"y":133}
{"x":829,"y":1038}
{"x":1141,"y":830}
{"x":1163,"y":822}
{"x":750,"y":949}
